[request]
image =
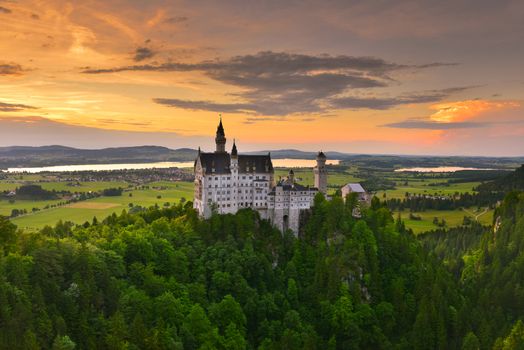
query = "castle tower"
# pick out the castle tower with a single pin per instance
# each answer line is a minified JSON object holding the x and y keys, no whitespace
{"x":320,"y":173}
{"x":234,"y":176}
{"x":291,"y":177}
{"x":220,"y":138}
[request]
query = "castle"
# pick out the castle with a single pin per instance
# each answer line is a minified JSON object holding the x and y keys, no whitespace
{"x":226,"y":182}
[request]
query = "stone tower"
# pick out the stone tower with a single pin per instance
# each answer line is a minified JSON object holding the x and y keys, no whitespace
{"x":220,"y":138}
{"x":320,"y":172}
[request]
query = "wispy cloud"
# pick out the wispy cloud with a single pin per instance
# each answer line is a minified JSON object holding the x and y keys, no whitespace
{"x":468,"y":109}
{"x":38,"y":131}
{"x":5,"y":10}
{"x":10,"y":69}
{"x":207,"y":105}
{"x":14,"y":107}
{"x":433,"y":125}
{"x":143,"y":53}
{"x":280,"y":83}
{"x":355,"y":102}
{"x":176,"y":19}
{"x":459,"y":115}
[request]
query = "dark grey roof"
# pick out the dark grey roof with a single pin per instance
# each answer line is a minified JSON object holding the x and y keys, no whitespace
{"x":255,"y":163}
{"x":216,"y":163}
{"x":288,"y":187}
{"x":219,"y":163}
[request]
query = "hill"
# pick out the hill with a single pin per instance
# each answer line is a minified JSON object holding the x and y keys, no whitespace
{"x":21,"y":156}
{"x":511,"y":182}
{"x":164,"y":279}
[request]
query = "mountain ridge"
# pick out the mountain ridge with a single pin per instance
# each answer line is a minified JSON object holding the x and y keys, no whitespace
{"x":49,"y":155}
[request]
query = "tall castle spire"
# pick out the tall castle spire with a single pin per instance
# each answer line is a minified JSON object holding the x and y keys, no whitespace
{"x":234,"y":152}
{"x":220,"y":138}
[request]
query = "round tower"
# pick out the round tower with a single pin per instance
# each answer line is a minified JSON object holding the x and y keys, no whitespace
{"x":320,"y":173}
{"x":291,"y":177}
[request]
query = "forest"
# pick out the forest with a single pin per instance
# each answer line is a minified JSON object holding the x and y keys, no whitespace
{"x":162,"y":278}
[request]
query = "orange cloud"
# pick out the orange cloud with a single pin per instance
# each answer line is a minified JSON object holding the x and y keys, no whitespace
{"x":465,"y":110}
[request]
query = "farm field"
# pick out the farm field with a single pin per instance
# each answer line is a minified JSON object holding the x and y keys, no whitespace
{"x":452,"y":217}
{"x":6,"y":207}
{"x":102,"y":207}
{"x":419,"y":187}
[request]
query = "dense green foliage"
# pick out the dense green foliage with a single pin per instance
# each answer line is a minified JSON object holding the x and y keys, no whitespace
{"x":163,"y":278}
{"x":421,"y":202}
{"x":34,"y":192}
{"x":511,"y":182}
{"x":112,"y":192}
{"x":489,"y":264}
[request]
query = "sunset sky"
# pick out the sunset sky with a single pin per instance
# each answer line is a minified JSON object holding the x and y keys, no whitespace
{"x":405,"y":77}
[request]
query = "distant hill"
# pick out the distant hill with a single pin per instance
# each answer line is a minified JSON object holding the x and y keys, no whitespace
{"x":20,"y":156}
{"x":511,"y":182}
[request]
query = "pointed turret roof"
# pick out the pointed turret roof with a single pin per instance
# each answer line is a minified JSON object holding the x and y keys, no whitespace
{"x":234,"y":151}
{"x":220,"y":128}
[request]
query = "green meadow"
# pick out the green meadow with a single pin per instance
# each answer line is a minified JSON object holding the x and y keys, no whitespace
{"x":420,"y":187}
{"x":453,"y":218}
{"x":102,"y":207}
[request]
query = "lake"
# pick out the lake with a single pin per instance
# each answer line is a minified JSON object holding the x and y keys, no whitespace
{"x":286,"y":163}
{"x":438,"y":169}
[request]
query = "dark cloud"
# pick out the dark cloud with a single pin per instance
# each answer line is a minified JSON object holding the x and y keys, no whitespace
{"x":352,"y":102}
{"x":437,"y":64}
{"x":5,"y":10}
{"x":10,"y":107}
{"x":279,"y":83}
{"x":176,"y":19}
{"x":253,"y":120}
{"x":207,"y":105}
{"x":35,"y":16}
{"x":10,"y":69}
{"x":433,"y":125}
{"x":143,"y":53}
